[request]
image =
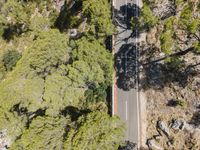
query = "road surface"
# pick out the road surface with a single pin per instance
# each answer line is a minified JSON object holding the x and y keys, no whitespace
{"x":125,"y":92}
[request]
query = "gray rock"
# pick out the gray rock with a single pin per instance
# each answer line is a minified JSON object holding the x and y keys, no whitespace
{"x":151,"y":144}
{"x":177,"y":125}
{"x":163,"y":127}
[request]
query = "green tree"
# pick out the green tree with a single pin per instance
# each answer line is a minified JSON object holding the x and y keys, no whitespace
{"x":99,"y":17}
{"x":10,"y":59}
{"x":13,"y":123}
{"x":97,"y":130}
{"x":167,"y":42}
{"x":60,"y":92}
{"x":97,"y":57}
{"x":147,"y":18}
{"x":44,"y":133}
{"x":96,"y":94}
{"x":25,"y":84}
{"x":22,"y":16}
{"x":46,"y":53}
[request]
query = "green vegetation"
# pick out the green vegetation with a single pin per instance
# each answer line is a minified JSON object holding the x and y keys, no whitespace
{"x":52,"y":87}
{"x":178,"y":30}
{"x":10,"y":59}
{"x":107,"y":130}
{"x":147,"y":16}
{"x":99,"y":17}
{"x":146,"y":20}
{"x":91,"y":18}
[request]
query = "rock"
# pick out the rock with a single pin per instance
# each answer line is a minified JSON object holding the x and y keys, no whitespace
{"x":73,"y":33}
{"x":163,"y":127}
{"x":164,"y":9}
{"x":151,"y":144}
{"x":169,"y":143}
{"x":189,"y":127}
{"x":177,"y":125}
{"x":157,"y":137}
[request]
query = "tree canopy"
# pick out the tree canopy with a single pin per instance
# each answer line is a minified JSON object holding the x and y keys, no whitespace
{"x":53,"y":87}
{"x":95,"y":131}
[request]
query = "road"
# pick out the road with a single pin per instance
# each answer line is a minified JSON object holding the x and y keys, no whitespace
{"x":126,"y":95}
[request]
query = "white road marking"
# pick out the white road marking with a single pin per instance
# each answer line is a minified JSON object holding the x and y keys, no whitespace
{"x":126,"y":110}
{"x":126,"y":10}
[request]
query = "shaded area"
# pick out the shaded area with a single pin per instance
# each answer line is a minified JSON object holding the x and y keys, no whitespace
{"x":196,"y":119}
{"x":124,"y":15}
{"x":159,"y":75}
{"x":74,"y":112}
{"x":128,"y":146}
{"x":125,"y":56}
{"x":10,"y":31}
{"x":125,"y":63}
{"x":68,"y":15}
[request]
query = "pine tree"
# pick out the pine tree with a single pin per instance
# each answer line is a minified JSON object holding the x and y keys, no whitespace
{"x":96,"y":130}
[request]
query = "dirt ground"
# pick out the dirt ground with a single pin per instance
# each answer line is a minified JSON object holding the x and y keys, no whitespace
{"x":161,"y":87}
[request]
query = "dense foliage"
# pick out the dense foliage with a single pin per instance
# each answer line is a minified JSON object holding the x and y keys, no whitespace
{"x":53,"y":87}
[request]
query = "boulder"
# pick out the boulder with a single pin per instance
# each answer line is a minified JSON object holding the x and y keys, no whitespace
{"x":151,"y":144}
{"x":163,"y":127}
{"x":177,"y":124}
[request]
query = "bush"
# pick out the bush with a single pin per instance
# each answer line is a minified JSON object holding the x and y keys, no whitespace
{"x":10,"y":59}
{"x":178,"y":102}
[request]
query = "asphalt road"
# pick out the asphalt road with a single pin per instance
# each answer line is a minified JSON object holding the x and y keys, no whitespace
{"x":126,"y":53}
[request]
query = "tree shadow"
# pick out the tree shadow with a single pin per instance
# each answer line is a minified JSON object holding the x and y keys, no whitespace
{"x":195,"y":120}
{"x":68,"y":10}
{"x":123,"y":16}
{"x":157,"y":75}
{"x":122,"y":19}
{"x":74,"y":112}
{"x":125,"y":56}
{"x":125,"y":63}
{"x":10,"y":31}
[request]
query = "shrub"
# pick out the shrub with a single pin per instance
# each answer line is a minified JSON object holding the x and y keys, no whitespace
{"x":10,"y":59}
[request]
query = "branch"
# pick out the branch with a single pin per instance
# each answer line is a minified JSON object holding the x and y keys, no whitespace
{"x":181,"y":53}
{"x":197,"y":37}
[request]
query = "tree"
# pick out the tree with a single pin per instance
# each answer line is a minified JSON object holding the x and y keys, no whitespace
{"x":10,"y":59}
{"x":99,"y":17}
{"x":21,"y":16}
{"x":97,"y":57}
{"x":96,"y":130}
{"x":96,"y":93}
{"x":24,"y":86}
{"x":60,"y":92}
{"x":46,"y":53}
{"x":13,"y":123}
{"x":43,"y":133}
{"x":178,"y":33}
{"x":45,"y":81}
{"x":147,"y":18}
{"x":89,"y":17}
